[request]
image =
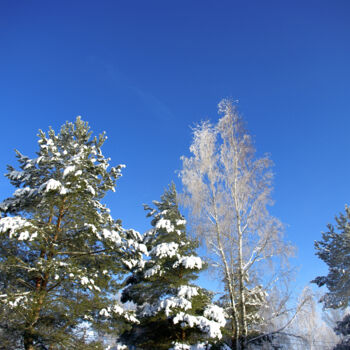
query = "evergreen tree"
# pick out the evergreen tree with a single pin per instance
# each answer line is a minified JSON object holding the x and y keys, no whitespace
{"x":334,"y":250}
{"x":343,"y":328}
{"x":173,"y":312}
{"x":61,"y":253}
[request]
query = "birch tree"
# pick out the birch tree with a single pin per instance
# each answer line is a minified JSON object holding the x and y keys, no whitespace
{"x":228,"y":190}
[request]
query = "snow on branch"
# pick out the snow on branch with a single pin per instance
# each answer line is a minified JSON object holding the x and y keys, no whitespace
{"x":212,"y":328}
{"x":18,"y":227}
{"x":189,"y":262}
{"x":117,"y":310}
{"x":163,"y":250}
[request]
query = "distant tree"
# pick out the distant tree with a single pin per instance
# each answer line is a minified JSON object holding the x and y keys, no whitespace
{"x":334,"y":250}
{"x":309,"y":325}
{"x":227,"y":190}
{"x":173,"y":312}
{"x":61,"y":253}
{"x":333,"y":316}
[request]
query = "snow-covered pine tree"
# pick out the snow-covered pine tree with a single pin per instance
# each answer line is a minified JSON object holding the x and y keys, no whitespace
{"x":173,"y":312}
{"x":61,"y":253}
{"x":334,"y":250}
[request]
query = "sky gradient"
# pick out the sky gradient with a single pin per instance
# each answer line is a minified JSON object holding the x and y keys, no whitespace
{"x":146,"y":71}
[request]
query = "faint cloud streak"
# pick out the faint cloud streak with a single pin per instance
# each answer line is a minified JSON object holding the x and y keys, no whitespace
{"x":159,"y":109}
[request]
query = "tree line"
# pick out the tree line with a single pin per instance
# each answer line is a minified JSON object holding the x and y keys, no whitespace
{"x":71,"y":276}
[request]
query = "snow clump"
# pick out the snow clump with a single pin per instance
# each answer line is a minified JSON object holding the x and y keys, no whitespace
{"x":166,"y":224}
{"x":163,"y":250}
{"x":212,"y":328}
{"x":189,"y":262}
{"x":187,"y":292}
{"x":50,"y":185}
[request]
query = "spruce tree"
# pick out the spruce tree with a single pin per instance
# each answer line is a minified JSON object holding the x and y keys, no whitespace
{"x":173,"y":312}
{"x":61,"y":253}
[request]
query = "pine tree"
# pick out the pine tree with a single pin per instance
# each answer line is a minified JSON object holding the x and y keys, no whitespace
{"x":61,"y":253}
{"x":173,"y":312}
{"x":334,"y":250}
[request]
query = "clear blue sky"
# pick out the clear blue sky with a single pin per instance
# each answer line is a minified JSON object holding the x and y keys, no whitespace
{"x":145,"y":71}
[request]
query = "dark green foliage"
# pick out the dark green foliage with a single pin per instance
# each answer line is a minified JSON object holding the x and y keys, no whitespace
{"x":61,"y":253}
{"x":334,"y":250}
{"x":163,"y":289}
{"x":343,"y":329}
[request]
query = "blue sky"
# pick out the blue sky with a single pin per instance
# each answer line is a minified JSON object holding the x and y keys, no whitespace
{"x":145,"y":71}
